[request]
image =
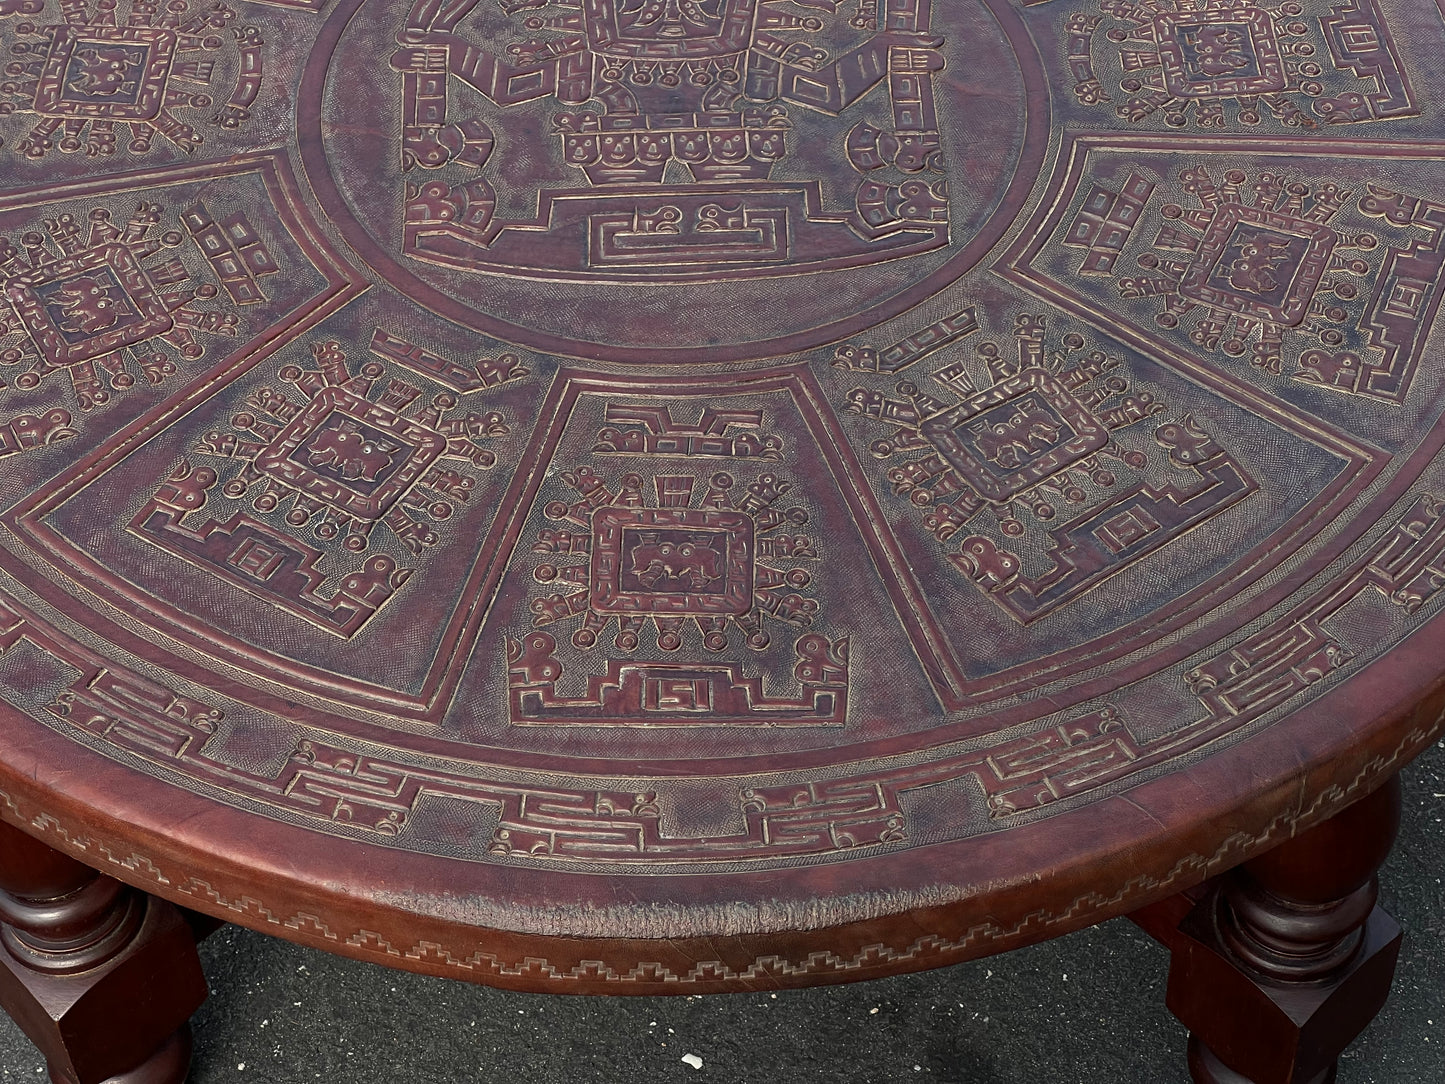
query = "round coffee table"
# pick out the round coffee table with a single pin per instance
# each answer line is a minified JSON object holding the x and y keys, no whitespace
{"x":676,"y":496}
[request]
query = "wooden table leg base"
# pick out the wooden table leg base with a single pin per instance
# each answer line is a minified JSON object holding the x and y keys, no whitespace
{"x":1246,"y":1028}
{"x":1208,"y":1069}
{"x":101,"y":977}
{"x":1284,"y":961}
{"x":168,"y":1065}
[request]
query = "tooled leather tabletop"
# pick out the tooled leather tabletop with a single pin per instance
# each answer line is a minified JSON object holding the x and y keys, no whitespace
{"x":687,"y":494}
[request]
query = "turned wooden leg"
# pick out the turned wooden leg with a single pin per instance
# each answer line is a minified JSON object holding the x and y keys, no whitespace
{"x":100,"y":976}
{"x":1283,"y":961}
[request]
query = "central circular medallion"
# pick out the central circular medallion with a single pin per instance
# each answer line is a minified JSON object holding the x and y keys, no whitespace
{"x":628,"y":179}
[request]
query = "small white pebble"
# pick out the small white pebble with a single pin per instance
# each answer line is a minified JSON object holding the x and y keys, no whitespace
{"x":918,"y":1068}
{"x":873,"y":1011}
{"x":773,"y":996}
{"x":241,"y":1066}
{"x":693,"y":1060}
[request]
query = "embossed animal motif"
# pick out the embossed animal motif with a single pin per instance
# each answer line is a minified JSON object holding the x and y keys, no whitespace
{"x":1012,"y":441}
{"x":1219,"y":50}
{"x":1260,"y":254}
{"x":86,"y":307}
{"x":346,"y":450}
{"x":104,"y":72}
{"x":660,"y":562}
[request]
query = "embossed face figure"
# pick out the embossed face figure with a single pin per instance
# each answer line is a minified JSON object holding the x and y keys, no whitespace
{"x":86,"y":307}
{"x":106,"y":71}
{"x":661,"y":561}
{"x":1260,"y":256}
{"x":1219,"y":50}
{"x":669,"y":18}
{"x":346,"y":450}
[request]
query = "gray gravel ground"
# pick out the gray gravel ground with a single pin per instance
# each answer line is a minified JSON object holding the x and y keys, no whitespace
{"x":1084,"y":1008}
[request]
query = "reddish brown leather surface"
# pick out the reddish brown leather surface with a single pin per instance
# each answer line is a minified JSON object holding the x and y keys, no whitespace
{"x":696,"y":495}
